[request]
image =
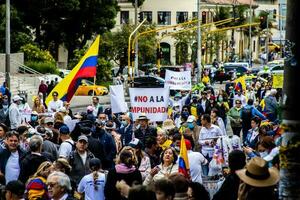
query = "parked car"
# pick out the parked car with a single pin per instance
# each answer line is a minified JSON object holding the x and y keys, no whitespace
{"x":148,"y":82}
{"x":87,"y":88}
{"x":269,"y":70}
{"x":231,"y":70}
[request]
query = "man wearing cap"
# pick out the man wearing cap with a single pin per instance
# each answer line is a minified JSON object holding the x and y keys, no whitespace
{"x":55,"y":104}
{"x":67,"y":144}
{"x":79,"y":159}
{"x":15,"y":117}
{"x":194,"y":130}
{"x":144,"y":131}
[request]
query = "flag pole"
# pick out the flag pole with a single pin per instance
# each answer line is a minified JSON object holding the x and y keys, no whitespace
{"x":94,"y":86}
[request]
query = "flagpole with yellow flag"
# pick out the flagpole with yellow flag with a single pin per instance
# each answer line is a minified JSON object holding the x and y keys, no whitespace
{"x":86,"y":68}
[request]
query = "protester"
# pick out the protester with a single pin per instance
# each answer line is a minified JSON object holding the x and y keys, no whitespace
{"x":36,"y":187}
{"x":79,"y":159}
{"x":38,"y":106}
{"x":4,"y":111}
{"x":152,"y":150}
{"x":32,"y":161}
{"x":14,"y":190}
{"x":126,"y":170}
{"x":164,"y":189}
{"x":193,"y":130}
{"x":144,"y":131}
{"x":162,"y":139}
{"x":98,"y":180}
{"x":67,"y":145}
{"x":14,"y":113}
{"x":197,"y":191}
{"x":10,"y":157}
{"x":59,"y":186}
{"x":259,"y":181}
{"x":3,"y":130}
{"x":125,"y":130}
{"x":55,"y":104}
{"x":234,"y":115}
{"x":168,"y":166}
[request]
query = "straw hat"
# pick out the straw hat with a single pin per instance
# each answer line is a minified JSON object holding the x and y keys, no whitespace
{"x":258,"y":174}
{"x":142,"y":117}
{"x":168,"y":124}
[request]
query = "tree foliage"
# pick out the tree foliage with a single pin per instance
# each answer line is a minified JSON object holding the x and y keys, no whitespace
{"x":67,"y":22}
{"x":20,"y":34}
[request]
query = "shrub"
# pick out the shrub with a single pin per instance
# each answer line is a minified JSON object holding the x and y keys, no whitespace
{"x":35,"y":54}
{"x":42,"y":67}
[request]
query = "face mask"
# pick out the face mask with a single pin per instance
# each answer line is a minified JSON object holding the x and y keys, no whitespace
{"x":5,"y":102}
{"x":194,"y":100}
{"x":125,"y":123}
{"x":185,"y":114}
{"x":221,"y":99}
{"x":263,"y":154}
{"x":103,"y":122}
{"x":191,"y":126}
{"x":34,"y":118}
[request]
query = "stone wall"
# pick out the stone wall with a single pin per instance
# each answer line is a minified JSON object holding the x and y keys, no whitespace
{"x":14,"y":59}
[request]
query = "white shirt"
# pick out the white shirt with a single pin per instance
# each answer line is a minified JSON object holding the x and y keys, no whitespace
{"x":86,"y":186}
{"x":83,"y":157}
{"x":203,"y":104}
{"x":196,"y":159}
{"x":206,"y":134}
{"x":12,"y":168}
{"x":65,"y":148}
{"x":15,"y":117}
{"x":55,"y":105}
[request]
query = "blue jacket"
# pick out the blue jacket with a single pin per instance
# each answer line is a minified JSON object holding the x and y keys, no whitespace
{"x":4,"y":156}
{"x":255,"y":112}
{"x":126,"y":134}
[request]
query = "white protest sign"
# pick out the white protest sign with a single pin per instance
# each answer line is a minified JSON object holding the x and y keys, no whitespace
{"x":153,"y":102}
{"x":178,"y":80}
{"x":117,"y":99}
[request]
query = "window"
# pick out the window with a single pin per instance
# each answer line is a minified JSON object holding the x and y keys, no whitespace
{"x":147,"y":15}
{"x":181,"y":17}
{"x":204,"y":17}
{"x":124,"y":17}
{"x":163,"y":18}
{"x":195,"y":15}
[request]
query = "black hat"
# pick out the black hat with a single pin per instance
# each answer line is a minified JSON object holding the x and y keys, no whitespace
{"x":16,"y":187}
{"x":95,"y":162}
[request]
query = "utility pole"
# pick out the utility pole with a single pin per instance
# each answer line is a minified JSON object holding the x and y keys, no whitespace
{"x":267,"y":38}
{"x":136,"y":48}
{"x":7,"y":44}
{"x":290,"y":146}
{"x":199,"y":43}
{"x":250,"y":36}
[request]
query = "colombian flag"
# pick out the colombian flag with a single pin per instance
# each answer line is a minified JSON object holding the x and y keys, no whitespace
{"x":86,"y":68}
{"x":240,"y":84}
{"x":183,"y":161}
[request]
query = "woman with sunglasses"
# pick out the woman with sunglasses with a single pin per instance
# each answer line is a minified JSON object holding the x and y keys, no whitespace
{"x":36,"y":187}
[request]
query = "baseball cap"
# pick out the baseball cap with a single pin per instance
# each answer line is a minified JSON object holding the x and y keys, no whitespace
{"x":17,"y":98}
{"x":83,"y":137}
{"x":48,"y":120}
{"x":64,"y":130}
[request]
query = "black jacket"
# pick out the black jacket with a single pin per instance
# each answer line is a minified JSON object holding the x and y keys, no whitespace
{"x":229,"y":189}
{"x":29,"y":165}
{"x":110,"y":190}
{"x":95,"y":147}
{"x":4,"y":156}
{"x":79,"y":169}
{"x":149,"y":132}
{"x":126,"y":134}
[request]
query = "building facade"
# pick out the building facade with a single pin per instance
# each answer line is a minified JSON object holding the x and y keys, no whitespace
{"x":172,"y":12}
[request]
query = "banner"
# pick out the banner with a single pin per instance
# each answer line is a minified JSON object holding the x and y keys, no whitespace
{"x":153,"y":102}
{"x":277,"y":81}
{"x":178,"y":80}
{"x":117,"y":99}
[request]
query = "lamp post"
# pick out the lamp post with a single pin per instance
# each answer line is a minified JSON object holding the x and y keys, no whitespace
{"x":250,"y":35}
{"x":199,"y":44}
{"x":136,"y":47}
{"x":7,"y":44}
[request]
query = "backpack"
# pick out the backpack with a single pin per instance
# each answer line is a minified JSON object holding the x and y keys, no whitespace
{"x":73,"y":145}
{"x":247,"y":114}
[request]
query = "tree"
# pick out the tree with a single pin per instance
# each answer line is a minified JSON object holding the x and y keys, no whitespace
{"x":68,"y":22}
{"x":19,"y":32}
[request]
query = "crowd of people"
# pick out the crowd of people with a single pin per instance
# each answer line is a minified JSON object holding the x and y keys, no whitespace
{"x":232,"y":137}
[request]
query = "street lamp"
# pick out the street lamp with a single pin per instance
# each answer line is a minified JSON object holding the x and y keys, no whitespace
{"x":7,"y":44}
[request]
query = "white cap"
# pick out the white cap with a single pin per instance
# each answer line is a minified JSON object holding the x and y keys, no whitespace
{"x":17,"y":98}
{"x":191,"y":118}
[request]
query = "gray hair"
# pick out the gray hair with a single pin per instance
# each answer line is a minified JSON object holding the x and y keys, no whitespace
{"x":35,"y":143}
{"x":63,"y":180}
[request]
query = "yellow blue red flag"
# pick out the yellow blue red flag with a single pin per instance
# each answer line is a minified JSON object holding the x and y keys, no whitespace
{"x":86,"y":68}
{"x":240,"y":83}
{"x":183,"y":161}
